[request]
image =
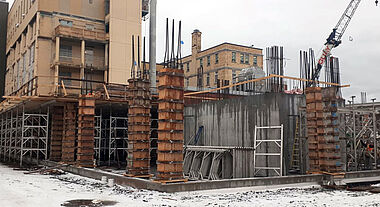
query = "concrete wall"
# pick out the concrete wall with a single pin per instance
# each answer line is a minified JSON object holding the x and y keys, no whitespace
{"x":232,"y":122}
{"x":3,"y":40}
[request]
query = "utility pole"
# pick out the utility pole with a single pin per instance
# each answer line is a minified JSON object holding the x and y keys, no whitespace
{"x":152,"y":45}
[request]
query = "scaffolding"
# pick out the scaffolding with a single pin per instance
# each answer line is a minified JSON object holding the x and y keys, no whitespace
{"x":24,"y":135}
{"x":277,"y":150}
{"x":118,"y":139}
{"x":98,"y":138}
{"x":360,"y":131}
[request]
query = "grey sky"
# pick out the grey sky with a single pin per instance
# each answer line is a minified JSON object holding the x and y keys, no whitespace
{"x":294,"y":24}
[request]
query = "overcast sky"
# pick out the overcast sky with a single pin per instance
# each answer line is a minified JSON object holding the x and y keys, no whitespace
{"x":294,"y":24}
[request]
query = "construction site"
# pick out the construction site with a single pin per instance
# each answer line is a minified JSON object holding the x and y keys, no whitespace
{"x":85,"y":92}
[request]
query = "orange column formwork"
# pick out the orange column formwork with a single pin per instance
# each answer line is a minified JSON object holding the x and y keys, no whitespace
{"x":170,"y":125}
{"x":323,"y":134}
{"x":57,"y":126}
{"x":138,"y":160}
{"x":86,"y":126}
{"x":69,"y":134}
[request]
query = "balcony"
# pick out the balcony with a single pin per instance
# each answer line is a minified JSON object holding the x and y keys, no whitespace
{"x":96,"y":63}
{"x":79,"y":33}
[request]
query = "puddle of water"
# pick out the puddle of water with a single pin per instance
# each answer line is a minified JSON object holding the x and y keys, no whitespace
{"x":88,"y":203}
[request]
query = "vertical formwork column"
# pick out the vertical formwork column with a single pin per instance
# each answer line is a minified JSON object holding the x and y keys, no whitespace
{"x":314,"y":111}
{"x":69,"y":135}
{"x":138,"y":161}
{"x":323,"y":132}
{"x":170,"y":125}
{"x":57,"y":126}
{"x":86,"y":127}
{"x":328,"y":138}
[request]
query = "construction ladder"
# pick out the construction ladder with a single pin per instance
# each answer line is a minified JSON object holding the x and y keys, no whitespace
{"x":295,"y":162}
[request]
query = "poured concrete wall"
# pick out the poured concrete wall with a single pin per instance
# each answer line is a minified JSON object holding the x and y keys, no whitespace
{"x":232,"y":123}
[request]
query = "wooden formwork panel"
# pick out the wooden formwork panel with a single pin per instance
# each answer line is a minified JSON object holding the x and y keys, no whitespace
{"x":170,"y":115}
{"x":331,"y":147}
{"x":138,"y":136}
{"x":167,"y":125}
{"x":134,"y":110}
{"x":329,"y":93}
{"x":328,"y":139}
{"x":140,"y":102}
{"x":317,"y":115}
{"x":139,"y":93}
{"x":313,"y":90}
{"x":86,"y":143}
{"x":330,"y":155}
{"x":169,"y":156}
{"x":168,"y":135}
{"x":138,"y":164}
{"x":313,"y":97}
{"x":331,"y":162}
{"x":139,"y":128}
{"x":138,"y":83}
{"x":176,"y":81}
{"x":169,"y":94}
{"x":139,"y":119}
{"x":169,"y":168}
{"x":314,"y":106}
{"x":86,"y":110}
{"x":68,"y":150}
{"x":170,"y":146}
{"x":133,"y":155}
{"x":167,"y":106}
{"x":134,"y":145}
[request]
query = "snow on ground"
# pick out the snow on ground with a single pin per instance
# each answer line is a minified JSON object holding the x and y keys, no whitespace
{"x":20,"y":190}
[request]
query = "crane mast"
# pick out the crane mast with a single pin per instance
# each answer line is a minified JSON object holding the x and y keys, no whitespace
{"x":335,"y":38}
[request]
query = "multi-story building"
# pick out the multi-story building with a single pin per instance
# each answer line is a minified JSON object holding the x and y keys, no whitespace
{"x":3,"y":36}
{"x":218,"y":65}
{"x":78,"y":39}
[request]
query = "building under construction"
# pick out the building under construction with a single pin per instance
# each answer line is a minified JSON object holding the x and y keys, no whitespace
{"x":78,"y":91}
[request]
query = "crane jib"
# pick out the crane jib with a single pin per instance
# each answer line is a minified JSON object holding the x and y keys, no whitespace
{"x":325,"y":53}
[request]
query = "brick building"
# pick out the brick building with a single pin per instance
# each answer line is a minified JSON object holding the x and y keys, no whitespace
{"x":221,"y":63}
{"x":82,"y":39}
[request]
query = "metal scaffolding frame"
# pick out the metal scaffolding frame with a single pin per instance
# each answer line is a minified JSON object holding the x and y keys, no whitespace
{"x":360,"y":130}
{"x":24,"y":134}
{"x":98,"y":138}
{"x":277,"y":142}
{"x":118,"y":138}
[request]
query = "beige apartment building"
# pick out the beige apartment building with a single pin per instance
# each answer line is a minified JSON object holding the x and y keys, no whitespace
{"x":78,"y":39}
{"x":221,"y":63}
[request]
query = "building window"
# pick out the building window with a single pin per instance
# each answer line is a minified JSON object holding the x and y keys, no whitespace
{"x":255,"y":60}
{"x":208,"y":60}
{"x":107,"y":7}
{"x":233,"y":77}
{"x":201,"y":62}
{"x":187,"y":67}
{"x":65,"y":52}
{"x":108,"y":28}
{"x":246,"y":58}
{"x":208,"y":79}
{"x":32,"y":51}
{"x":216,"y":58}
{"x":90,"y":1}
{"x":187,"y":82}
{"x":241,"y":57}
{"x":66,"y":23}
{"x":234,"y":57}
{"x":89,"y":56}
{"x":216,"y":77}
